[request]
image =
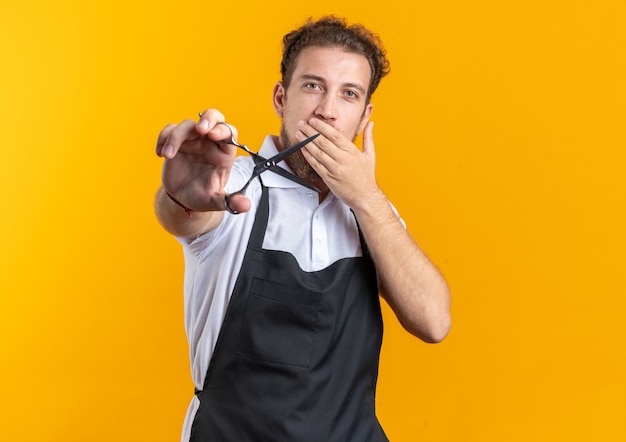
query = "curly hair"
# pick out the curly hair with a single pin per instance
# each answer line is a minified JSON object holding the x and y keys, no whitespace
{"x":334,"y":32}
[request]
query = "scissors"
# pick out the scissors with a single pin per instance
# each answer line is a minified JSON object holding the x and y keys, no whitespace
{"x":263,"y":164}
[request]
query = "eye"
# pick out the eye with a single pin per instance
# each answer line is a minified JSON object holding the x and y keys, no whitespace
{"x":352,"y":94}
{"x":312,"y":86}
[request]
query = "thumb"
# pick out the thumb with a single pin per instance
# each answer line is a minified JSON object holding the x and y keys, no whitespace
{"x":238,"y":203}
{"x":368,"y":140}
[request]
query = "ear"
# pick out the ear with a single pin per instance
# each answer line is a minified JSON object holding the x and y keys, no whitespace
{"x":278,"y":97}
{"x":365,"y":118}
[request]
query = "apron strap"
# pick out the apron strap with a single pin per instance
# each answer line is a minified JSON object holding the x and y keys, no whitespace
{"x":260,"y":222}
{"x":364,"y":248}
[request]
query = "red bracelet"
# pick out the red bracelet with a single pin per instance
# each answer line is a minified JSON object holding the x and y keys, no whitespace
{"x":185,"y":208}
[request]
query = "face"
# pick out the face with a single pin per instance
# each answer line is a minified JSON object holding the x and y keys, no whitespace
{"x":329,"y":84}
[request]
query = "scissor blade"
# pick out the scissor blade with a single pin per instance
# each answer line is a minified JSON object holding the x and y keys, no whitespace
{"x":285,"y":153}
{"x":263,"y":164}
{"x":295,"y":178}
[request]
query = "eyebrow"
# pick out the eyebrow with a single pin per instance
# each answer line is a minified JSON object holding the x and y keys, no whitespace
{"x":356,"y":86}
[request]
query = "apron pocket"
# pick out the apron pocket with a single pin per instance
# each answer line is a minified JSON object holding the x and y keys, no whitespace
{"x":279,"y":323}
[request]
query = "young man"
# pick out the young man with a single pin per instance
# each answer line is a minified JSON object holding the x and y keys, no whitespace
{"x":281,"y":284}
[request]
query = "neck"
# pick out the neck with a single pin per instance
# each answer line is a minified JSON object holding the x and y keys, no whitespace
{"x":324,"y":191}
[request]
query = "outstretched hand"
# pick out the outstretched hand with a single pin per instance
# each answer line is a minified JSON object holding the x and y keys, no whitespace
{"x":197,"y":165}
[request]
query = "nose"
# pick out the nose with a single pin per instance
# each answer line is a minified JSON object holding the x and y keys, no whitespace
{"x":326,"y":109}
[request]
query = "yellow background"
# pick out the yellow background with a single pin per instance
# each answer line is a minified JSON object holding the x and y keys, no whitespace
{"x":501,"y":138}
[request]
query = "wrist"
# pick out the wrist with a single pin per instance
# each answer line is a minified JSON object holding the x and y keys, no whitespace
{"x":187,"y":210}
{"x":372,"y":205}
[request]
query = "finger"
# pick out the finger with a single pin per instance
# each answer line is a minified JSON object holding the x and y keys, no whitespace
{"x":368,"y":140}
{"x":223,"y":132}
{"x":208,"y":119}
{"x":163,"y":135}
{"x":213,"y":124}
{"x":334,"y":137}
{"x":180,"y":133}
{"x":239,"y":203}
{"x":315,"y":156}
{"x":315,"y":147}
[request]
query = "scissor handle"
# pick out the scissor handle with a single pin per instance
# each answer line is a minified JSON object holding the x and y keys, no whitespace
{"x":228,"y":196}
{"x":232,"y":139}
{"x":263,"y":164}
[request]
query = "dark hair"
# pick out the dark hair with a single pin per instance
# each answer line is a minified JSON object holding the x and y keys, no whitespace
{"x":331,"y":31}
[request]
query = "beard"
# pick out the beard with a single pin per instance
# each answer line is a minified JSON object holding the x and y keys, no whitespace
{"x":296,"y":160}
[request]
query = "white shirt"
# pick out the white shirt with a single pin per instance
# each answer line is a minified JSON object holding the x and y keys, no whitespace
{"x":316,"y":234}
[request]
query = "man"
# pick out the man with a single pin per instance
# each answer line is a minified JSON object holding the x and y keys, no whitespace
{"x":281,"y":284}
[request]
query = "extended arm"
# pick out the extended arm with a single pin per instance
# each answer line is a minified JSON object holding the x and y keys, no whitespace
{"x":411,"y":284}
{"x":195,"y":171}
